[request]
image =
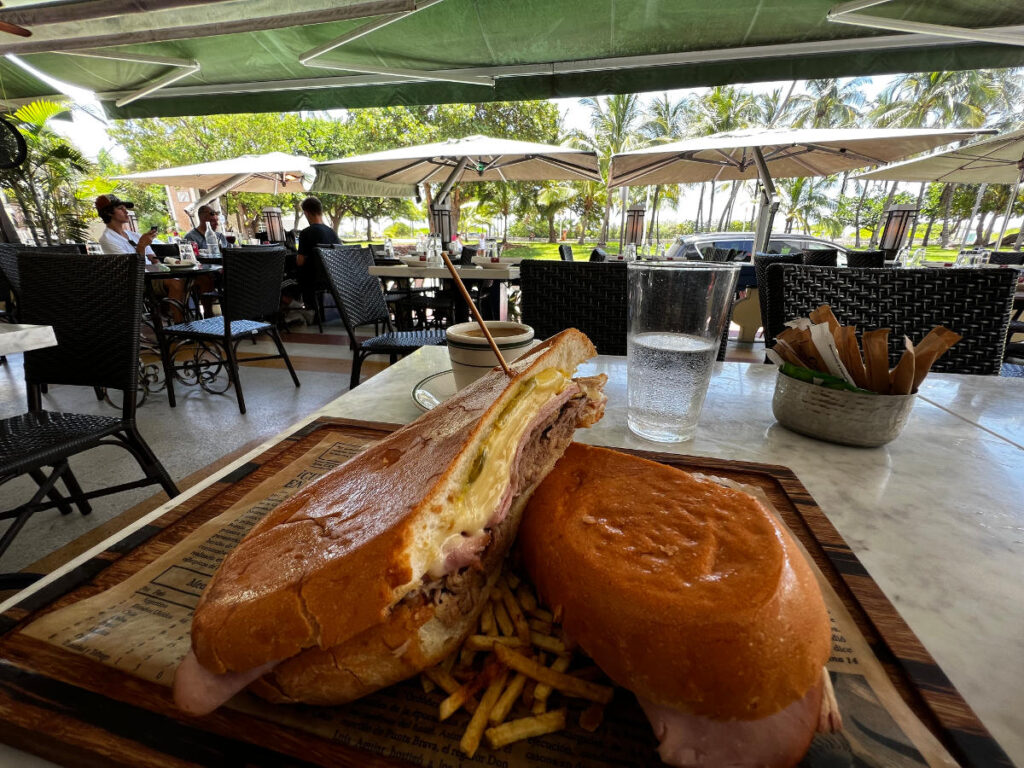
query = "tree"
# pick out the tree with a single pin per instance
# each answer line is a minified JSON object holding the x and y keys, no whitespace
{"x":829,"y":103}
{"x":664,"y":123}
{"x":549,"y":200}
{"x":614,"y":121}
{"x":45,"y":184}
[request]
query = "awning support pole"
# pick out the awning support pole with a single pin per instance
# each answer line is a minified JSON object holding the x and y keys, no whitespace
{"x":1009,"y":206}
{"x":217,"y":191}
{"x":767,"y":207}
{"x":450,"y":181}
{"x":846,"y":13}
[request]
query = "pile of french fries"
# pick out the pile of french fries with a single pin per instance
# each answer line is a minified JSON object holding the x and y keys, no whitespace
{"x":506,"y":674}
{"x":819,"y":343}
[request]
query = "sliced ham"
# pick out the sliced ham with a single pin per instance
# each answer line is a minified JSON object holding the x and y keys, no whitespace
{"x":692,"y":741}
{"x":198,"y":691}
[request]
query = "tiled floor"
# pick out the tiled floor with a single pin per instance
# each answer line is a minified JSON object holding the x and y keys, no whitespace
{"x":188,"y":439}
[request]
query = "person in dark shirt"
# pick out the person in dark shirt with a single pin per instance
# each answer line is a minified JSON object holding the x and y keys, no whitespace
{"x":307,"y":261}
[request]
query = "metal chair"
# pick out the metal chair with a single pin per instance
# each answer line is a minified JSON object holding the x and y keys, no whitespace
{"x":975,"y":303}
{"x":94,"y":304}
{"x":252,"y":293}
{"x":565,"y":252}
{"x":360,"y":300}
{"x":865,"y":259}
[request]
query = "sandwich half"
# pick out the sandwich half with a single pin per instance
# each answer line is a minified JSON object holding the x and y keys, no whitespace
{"x":691,"y":595}
{"x":380,"y":568}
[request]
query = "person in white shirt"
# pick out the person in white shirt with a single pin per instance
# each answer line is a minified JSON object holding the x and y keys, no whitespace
{"x":118,"y":238}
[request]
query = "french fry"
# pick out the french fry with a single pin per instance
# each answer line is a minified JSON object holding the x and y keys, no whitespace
{"x":508,"y":698}
{"x":823,"y":314}
{"x":466,"y":658}
{"x":547,"y":642}
{"x":427,"y":683}
{"x":901,"y":378}
{"x":526,"y":598}
{"x":525,"y":728}
{"x":475,"y":731}
{"x":591,"y":717}
{"x":544,"y":627}
{"x":566,"y":684}
{"x":448,"y":684}
{"x":540,"y":695}
{"x":487,"y":642}
{"x":488,"y":624}
{"x":515,"y":613}
{"x":512,"y":579}
{"x":457,"y":699}
{"x":876,"y":359}
{"x":543,"y":615}
{"x":504,"y":620}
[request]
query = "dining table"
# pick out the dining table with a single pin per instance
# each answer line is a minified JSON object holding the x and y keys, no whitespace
{"x":935,"y":518}
{"x":19,"y":337}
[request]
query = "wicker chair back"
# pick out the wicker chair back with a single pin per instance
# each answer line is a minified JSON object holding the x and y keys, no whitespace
{"x":61,"y":248}
{"x":975,"y":303}
{"x":94,"y":304}
{"x":1006,"y":257}
{"x":359,"y":294}
{"x":589,"y":296}
{"x":823,"y":257}
{"x":252,"y":282}
{"x":865,"y":259}
{"x":761,"y":263}
{"x":565,"y":252}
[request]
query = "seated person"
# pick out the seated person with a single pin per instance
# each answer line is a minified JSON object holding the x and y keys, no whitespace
{"x":207,"y":215}
{"x":309,"y":270}
{"x":117,"y":238}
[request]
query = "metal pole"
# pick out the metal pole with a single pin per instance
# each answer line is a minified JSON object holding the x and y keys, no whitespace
{"x":216,"y":192}
{"x":450,"y":181}
{"x":767,"y":207}
{"x":974,"y":211}
{"x":1009,"y":206}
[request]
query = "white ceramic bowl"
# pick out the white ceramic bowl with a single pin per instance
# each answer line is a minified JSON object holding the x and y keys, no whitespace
{"x":472,"y":356}
{"x":839,"y":416}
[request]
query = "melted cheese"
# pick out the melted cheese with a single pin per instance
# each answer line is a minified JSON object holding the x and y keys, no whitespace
{"x":491,"y":469}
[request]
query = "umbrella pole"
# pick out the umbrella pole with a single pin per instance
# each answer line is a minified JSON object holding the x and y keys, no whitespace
{"x":450,"y":181}
{"x":1009,"y":208}
{"x":766,"y":208}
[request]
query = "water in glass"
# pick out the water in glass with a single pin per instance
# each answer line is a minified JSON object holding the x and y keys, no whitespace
{"x":668,"y":379}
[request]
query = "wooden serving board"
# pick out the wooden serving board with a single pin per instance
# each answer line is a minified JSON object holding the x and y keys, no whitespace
{"x":76,"y":711}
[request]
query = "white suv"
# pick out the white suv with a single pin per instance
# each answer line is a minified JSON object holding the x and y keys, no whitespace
{"x":693,"y":247}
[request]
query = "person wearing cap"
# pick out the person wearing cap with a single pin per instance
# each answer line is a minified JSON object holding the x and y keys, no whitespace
{"x":118,"y":238}
{"x":207,"y":215}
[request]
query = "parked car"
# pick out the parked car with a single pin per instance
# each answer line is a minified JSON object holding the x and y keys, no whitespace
{"x":693,"y":247}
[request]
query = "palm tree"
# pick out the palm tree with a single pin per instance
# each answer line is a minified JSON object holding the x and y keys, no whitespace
{"x":44,"y":186}
{"x":664,"y":124}
{"x":614,"y":121}
{"x":828,"y":103}
{"x":551,"y":199}
{"x":802,"y":199}
{"x":723,"y":108}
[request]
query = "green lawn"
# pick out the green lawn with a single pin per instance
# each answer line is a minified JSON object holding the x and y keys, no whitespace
{"x":549,"y":251}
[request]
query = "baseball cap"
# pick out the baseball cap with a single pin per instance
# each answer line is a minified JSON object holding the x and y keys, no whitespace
{"x":109,"y":202}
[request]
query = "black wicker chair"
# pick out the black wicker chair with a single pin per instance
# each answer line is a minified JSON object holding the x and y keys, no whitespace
{"x":821,"y":257}
{"x":589,"y":296}
{"x":252,"y":293}
{"x":599,"y":254}
{"x":360,"y":300}
{"x":9,"y":282}
{"x":73,"y":248}
{"x":975,"y":303}
{"x":94,"y":304}
{"x":761,"y":263}
{"x":565,"y":252}
{"x":865,"y":259}
{"x":1013,"y":258}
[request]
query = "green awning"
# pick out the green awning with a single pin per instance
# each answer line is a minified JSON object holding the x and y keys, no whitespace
{"x":249,"y":52}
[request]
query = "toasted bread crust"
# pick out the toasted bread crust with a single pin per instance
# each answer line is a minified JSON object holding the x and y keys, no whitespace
{"x":688,"y":593}
{"x":331,"y":561}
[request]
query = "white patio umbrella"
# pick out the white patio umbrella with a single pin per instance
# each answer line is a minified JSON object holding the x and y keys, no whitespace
{"x":997,"y":160}
{"x":763,"y":154}
{"x":273,"y":173}
{"x":474,"y":158}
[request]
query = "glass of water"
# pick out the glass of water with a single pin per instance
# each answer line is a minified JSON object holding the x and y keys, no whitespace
{"x":677,"y":312}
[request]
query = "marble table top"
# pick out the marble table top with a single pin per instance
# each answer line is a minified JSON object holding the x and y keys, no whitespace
{"x":936,"y":516}
{"x":16,"y":338}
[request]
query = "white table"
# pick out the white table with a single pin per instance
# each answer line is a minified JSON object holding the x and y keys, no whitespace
{"x":22,"y":338}
{"x":504,"y":272}
{"x":936,"y":517}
